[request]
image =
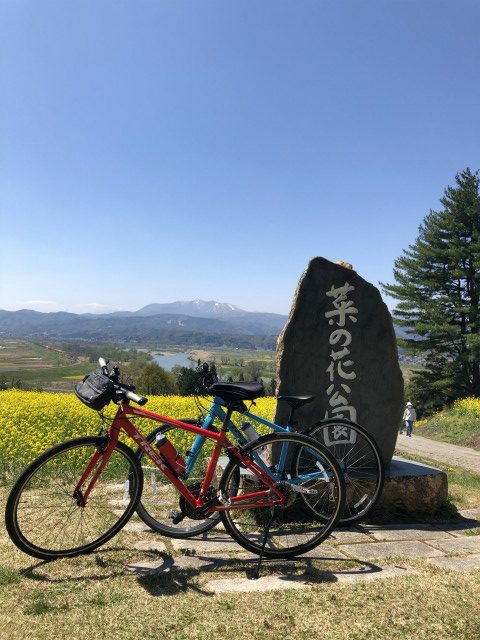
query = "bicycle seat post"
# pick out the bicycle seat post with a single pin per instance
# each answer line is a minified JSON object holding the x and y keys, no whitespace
{"x":228,"y":415}
{"x":294,"y":402}
{"x":291,"y":422}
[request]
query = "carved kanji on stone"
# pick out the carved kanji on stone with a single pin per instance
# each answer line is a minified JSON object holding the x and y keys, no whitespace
{"x":339,"y":345}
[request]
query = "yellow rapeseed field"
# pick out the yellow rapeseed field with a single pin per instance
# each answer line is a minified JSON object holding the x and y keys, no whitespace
{"x":471,"y":405}
{"x":31,"y":421}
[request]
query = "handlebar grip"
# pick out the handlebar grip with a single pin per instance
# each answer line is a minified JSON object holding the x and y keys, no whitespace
{"x":103,"y":364}
{"x":141,"y":400}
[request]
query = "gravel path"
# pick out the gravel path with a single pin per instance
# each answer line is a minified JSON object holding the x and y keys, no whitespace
{"x":441,"y":451}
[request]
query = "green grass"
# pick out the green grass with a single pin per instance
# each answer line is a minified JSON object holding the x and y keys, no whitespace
{"x":463,"y":485}
{"x":51,"y":374}
{"x":24,"y":354}
{"x":30,"y":365}
{"x":454,"y":426}
{"x":92,"y":597}
{"x":9,"y":576}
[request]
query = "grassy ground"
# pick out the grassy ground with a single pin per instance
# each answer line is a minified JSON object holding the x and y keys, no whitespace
{"x":94,"y":597}
{"x":31,"y":365}
{"x":459,"y":424}
{"x":22,"y":354}
{"x":60,"y":378}
{"x":463,"y":485}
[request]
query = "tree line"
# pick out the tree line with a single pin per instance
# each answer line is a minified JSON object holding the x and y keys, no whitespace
{"x":152,"y":379}
{"x":437,"y":286}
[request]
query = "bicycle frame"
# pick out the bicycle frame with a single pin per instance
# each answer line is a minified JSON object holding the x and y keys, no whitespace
{"x":216,"y":411}
{"x":265,"y":498}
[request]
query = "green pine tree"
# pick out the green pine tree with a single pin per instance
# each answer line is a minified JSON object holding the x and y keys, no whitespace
{"x":438,"y":289}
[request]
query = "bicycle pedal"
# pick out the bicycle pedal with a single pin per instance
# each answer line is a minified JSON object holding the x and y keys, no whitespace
{"x":224,"y":500}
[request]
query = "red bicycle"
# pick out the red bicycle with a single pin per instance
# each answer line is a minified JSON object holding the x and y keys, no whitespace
{"x":77,"y":495}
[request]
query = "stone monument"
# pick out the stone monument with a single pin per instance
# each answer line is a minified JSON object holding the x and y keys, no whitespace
{"x":339,"y":345}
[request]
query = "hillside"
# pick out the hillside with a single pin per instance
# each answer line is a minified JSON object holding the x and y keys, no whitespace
{"x":459,"y":424}
{"x":185,"y":324}
{"x":184,"y":331}
{"x":188,"y":324}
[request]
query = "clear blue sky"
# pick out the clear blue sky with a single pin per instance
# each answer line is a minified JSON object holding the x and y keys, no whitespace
{"x":172,"y":150}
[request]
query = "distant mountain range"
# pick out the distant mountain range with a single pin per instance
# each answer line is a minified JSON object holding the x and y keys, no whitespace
{"x":187,"y":324}
{"x":184,"y":323}
{"x":198,"y":309}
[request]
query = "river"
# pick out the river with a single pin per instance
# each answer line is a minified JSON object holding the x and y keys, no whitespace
{"x":173,"y":359}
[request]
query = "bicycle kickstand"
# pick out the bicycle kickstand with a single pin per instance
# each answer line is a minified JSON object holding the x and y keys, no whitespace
{"x":256,"y":573}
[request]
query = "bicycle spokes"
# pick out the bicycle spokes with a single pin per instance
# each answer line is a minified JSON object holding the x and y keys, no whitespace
{"x":51,"y":512}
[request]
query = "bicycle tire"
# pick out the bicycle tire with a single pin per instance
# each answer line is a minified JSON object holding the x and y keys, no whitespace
{"x":290,"y":532}
{"x":361,"y":463}
{"x":158,"y":515}
{"x":41,"y":506}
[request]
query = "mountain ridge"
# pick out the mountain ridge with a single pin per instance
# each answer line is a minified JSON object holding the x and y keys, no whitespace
{"x":205,"y":321}
{"x":180,"y":322}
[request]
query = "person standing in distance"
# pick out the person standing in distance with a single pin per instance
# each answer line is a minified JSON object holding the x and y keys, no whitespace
{"x":409,"y":418}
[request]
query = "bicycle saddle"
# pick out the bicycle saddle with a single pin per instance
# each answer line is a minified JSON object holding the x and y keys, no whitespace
{"x":296,"y":401}
{"x":237,"y":390}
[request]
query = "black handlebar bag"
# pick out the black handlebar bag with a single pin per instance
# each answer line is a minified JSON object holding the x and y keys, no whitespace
{"x":96,"y":390}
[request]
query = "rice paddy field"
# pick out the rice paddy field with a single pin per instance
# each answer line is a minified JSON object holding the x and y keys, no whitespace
{"x":30,"y":365}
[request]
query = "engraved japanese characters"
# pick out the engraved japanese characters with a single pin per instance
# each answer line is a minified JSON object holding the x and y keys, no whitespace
{"x":339,"y":345}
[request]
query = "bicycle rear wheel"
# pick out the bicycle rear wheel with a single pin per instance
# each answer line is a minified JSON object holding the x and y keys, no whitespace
{"x":161,"y":504}
{"x":360,"y":461}
{"x":46,"y":520}
{"x":287,"y":530}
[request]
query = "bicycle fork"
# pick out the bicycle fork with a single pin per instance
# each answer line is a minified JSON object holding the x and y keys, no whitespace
{"x":104,"y":453}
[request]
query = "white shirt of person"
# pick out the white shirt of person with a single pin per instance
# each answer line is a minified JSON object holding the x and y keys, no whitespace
{"x":409,"y":414}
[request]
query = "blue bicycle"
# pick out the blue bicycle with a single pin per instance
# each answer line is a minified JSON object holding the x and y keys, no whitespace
{"x":355,"y":450}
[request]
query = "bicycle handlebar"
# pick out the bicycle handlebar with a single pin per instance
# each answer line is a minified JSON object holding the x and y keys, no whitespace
{"x":126,"y":390}
{"x":141,"y":400}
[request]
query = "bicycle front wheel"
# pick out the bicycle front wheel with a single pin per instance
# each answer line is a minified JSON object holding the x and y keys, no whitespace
{"x":360,"y":461}
{"x":44,"y":515}
{"x":287,"y":530}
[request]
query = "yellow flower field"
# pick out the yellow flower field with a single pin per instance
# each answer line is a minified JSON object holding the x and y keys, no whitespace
{"x":31,"y":421}
{"x":458,"y":424}
{"x":470,"y":405}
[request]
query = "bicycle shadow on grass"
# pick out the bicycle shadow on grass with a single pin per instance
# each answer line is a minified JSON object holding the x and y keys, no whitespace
{"x":179,"y":577}
{"x":99,"y":565}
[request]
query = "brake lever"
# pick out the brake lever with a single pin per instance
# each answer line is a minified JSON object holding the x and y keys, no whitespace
{"x":115,"y":375}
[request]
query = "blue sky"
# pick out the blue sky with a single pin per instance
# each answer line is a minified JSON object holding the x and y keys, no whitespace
{"x":159,"y":151}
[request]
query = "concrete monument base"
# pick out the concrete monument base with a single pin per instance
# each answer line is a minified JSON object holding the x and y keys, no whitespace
{"x":412,"y":487}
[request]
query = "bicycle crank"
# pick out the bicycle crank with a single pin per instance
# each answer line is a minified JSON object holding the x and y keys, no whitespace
{"x":199,"y":513}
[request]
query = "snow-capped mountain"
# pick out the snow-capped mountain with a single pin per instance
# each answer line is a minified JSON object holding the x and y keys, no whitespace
{"x":195,"y":308}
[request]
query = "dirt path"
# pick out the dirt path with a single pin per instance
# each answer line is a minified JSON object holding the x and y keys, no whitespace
{"x":441,"y":451}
